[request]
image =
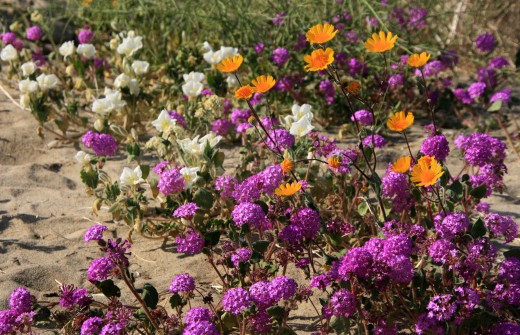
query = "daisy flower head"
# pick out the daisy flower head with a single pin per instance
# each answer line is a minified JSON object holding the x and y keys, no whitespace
{"x":319,"y":59}
{"x":402,"y":165}
{"x":400,"y":122}
{"x":230,"y":64}
{"x":381,"y":43}
{"x":426,"y":172}
{"x":263,"y":84}
{"x":418,"y":60}
{"x":288,"y":189}
{"x":320,"y":33}
{"x":244,"y":92}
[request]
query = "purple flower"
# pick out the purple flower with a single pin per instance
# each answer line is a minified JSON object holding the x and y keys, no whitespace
{"x":225,"y":184}
{"x":441,"y":307}
{"x":281,"y":56}
{"x":190,"y":243}
{"x":91,"y":326}
{"x":327,"y":88}
{"x":498,"y":62}
{"x":436,"y":146}
{"x":308,"y":220}
{"x":8,"y":37}
{"x":102,"y":144}
{"x":374,"y":141}
{"x":481,"y":149}
{"x":250,"y":213}
{"x":85,"y":36}
{"x":186,"y":211}
{"x":356,"y":261}
{"x":113,"y":329}
{"x":34,"y":33}
{"x":475,"y":90}
{"x":198,"y":314}
{"x":449,"y":58}
{"x":503,"y":95}
{"x":357,"y":67}
{"x":183,"y":283}
{"x":351,"y":37}
{"x":291,"y":234}
{"x":431,"y":69}
{"x":396,"y":81}
{"x":417,"y":18}
{"x":260,"y":293}
{"x":259,"y":47}
{"x":343,"y":303}
{"x":20,"y":300}
{"x":221,"y":126}
{"x":279,"y":18}
{"x":505,"y":328}
{"x":236,"y":300}
{"x":260,"y":323}
{"x":485,"y":42}
{"x":463,"y":96}
{"x":451,"y":225}
{"x":201,"y":328}
{"x":372,"y":21}
{"x":241,"y":255}
{"x":283,"y":139}
{"x":282,"y":287}
{"x":239,"y":116}
{"x":363,"y":117}
{"x":100,"y":269}
{"x":425,"y":323}
{"x":320,"y":281}
{"x":161,"y":167}
{"x":248,"y":191}
{"x":509,"y":270}
{"x":501,"y":225}
{"x":94,"y":233}
{"x":178,"y":117}
{"x":442,"y":251}
{"x":171,"y":181}
{"x":81,"y":298}
{"x":488,"y":76}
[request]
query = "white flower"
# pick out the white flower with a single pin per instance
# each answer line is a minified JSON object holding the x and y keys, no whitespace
{"x":163,"y":121}
{"x":211,"y":139}
{"x":232,"y":81}
{"x":102,"y":106}
{"x":133,"y":86}
{"x":190,"y":176}
{"x":129,"y":177}
{"x":140,"y":67}
{"x":191,"y":146}
{"x":25,"y":100}
{"x":206,"y":47}
{"x":192,"y":88}
{"x":194,"y":76}
{"x":27,"y":86}
{"x":228,"y":52}
{"x":86,"y":50}
{"x":67,"y":49}
{"x":114,"y":96}
{"x":83,"y":157}
{"x":47,"y":81}
{"x":122,"y":80}
{"x":130,"y":45}
{"x":28,"y":68}
{"x":299,"y":112}
{"x":301,"y":127}
{"x":212,"y":57}
{"x":9,"y":53}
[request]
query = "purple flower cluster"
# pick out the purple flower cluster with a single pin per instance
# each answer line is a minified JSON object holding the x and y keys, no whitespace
{"x":327,"y":88}
{"x":221,"y":126}
{"x":91,"y":326}
{"x":452,"y":225}
{"x":186,"y":211}
{"x":236,"y":300}
{"x":281,"y":56}
{"x":250,"y":213}
{"x":357,"y":67}
{"x":463,"y":96}
{"x":183,"y":283}
{"x":372,"y":141}
{"x":481,"y":149}
{"x":485,"y":42}
{"x":85,"y":36}
{"x":171,"y":181}
{"x":343,"y":303}
{"x":441,"y":307}
{"x":198,"y":314}
{"x":498,"y":62}
{"x":70,"y":297}
{"x":443,"y":251}
{"x":417,"y":18}
{"x":395,"y":186}
{"x":95,"y":232}
{"x":501,"y":225}
{"x":504,"y":95}
{"x":100,"y":269}
{"x":190,"y":243}
{"x":395,"y":81}
{"x":34,"y":33}
{"x":431,"y":69}
{"x":436,"y":146}
{"x":241,"y":255}
{"x":178,"y":117}
{"x":226,"y":185}
{"x":487,"y":76}
{"x":102,"y":144}
{"x":363,"y":117}
{"x":282,"y":139}
{"x":265,"y":181}
{"x":475,"y":90}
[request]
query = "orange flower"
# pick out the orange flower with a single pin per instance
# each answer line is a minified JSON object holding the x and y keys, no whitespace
{"x":244,"y":92}
{"x":402,"y":165}
{"x":353,"y":87}
{"x":334,"y":163}
{"x":319,"y":59}
{"x":288,"y":189}
{"x":426,"y":172}
{"x":86,"y":3}
{"x":320,"y":33}
{"x":400,"y":122}
{"x":263,"y":84}
{"x":230,"y":64}
{"x":417,"y":60}
{"x":287,"y":166}
{"x":381,"y":43}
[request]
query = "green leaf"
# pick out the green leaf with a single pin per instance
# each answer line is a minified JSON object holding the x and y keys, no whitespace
{"x":455,"y":190}
{"x":363,"y":208}
{"x":495,"y":106}
{"x":218,"y":158}
{"x":340,"y":324}
{"x":203,"y":198}
{"x":145,"y":169}
{"x":177,"y":301}
{"x":90,"y":178}
{"x":478,"y":229}
{"x":276,"y":312}
{"x":212,"y":238}
{"x":478,"y":192}
{"x":108,"y":288}
{"x":150,"y":296}
{"x":261,"y":246}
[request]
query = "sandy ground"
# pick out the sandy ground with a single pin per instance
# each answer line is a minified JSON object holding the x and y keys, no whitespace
{"x":44,"y":212}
